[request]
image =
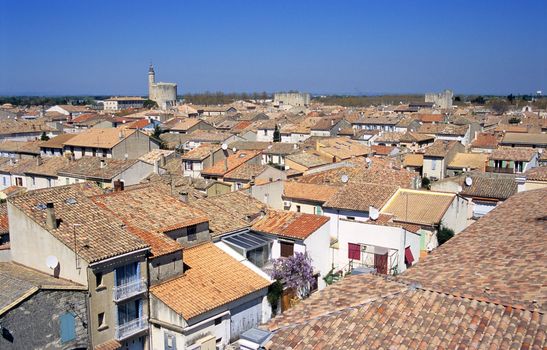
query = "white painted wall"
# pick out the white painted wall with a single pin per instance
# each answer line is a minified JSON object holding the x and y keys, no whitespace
{"x":317,"y":247}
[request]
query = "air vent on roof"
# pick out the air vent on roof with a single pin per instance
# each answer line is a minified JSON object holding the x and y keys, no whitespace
{"x":41,"y":206}
{"x":71,"y":201}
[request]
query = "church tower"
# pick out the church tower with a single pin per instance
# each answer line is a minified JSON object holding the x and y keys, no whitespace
{"x":151,"y":82}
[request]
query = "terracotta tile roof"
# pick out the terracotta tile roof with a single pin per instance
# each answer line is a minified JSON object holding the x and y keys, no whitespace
{"x":343,"y":148}
{"x":465,"y":294}
{"x":27,"y":147}
{"x":517,"y":154}
{"x":208,"y":136}
{"x":185,"y":124}
{"x":16,"y":281}
{"x":138,"y":124}
{"x":281,"y":148}
{"x":17,"y":166}
{"x":413,"y":160}
{"x":486,"y":187}
{"x":100,"y":235}
{"x":536,"y":174}
{"x":378,"y":120}
{"x":309,"y":192}
{"x":109,"y":345}
{"x":155,"y":155}
{"x":245,"y":172}
{"x":11,"y":126}
{"x":483,"y":140}
{"x":502,"y":257}
{"x":201,"y":152}
{"x":308,"y":159}
{"x":351,"y":291}
{"x":234,"y":160}
{"x":419,"y":207}
{"x":100,"y":138}
{"x":290,"y":224}
{"x":360,"y":174}
{"x":150,"y":212}
{"x":326,"y":123}
{"x":443,"y":129}
{"x":416,"y":137}
{"x":4,"y":224}
{"x":360,"y":196}
{"x":249,"y":145}
{"x":229,"y":212}
{"x":539,"y":140}
{"x":48,"y":166}
{"x":415,"y":319}
{"x":382,"y":150}
{"x":90,"y":167}
{"x":469,"y":160}
{"x":213,"y":279}
{"x":430,"y":118}
{"x":440,"y":148}
{"x":389,"y":137}
{"x":57,"y":141}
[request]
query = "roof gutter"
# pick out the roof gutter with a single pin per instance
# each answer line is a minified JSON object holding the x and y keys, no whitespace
{"x":118,"y":256}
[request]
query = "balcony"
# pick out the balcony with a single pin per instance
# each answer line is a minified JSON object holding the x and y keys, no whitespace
{"x":130,"y":328}
{"x":129,"y":290}
{"x":491,"y":169}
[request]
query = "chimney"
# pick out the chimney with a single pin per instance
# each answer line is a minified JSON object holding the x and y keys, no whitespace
{"x":157,"y":167}
{"x":332,"y":122}
{"x":162,"y":160}
{"x":120,"y":135}
{"x":51,"y":220}
{"x":118,"y":185}
{"x":226,"y":164}
{"x":38,"y":160}
{"x":183,"y":196}
{"x":103,"y":164}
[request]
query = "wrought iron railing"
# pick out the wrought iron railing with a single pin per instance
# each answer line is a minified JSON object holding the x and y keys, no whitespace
{"x":130,"y":328}
{"x":127,"y":290}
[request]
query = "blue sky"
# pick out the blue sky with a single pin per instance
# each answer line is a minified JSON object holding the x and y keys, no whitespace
{"x":104,"y":47}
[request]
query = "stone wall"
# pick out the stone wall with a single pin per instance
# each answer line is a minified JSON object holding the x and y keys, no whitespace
{"x":296,"y":99}
{"x":35,"y":323}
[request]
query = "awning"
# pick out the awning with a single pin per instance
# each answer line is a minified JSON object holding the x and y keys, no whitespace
{"x":247,"y":240}
{"x":409,"y":258}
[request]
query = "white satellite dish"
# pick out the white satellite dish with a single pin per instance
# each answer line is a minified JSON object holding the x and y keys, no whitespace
{"x":52,"y":262}
{"x":234,"y":150}
{"x":224,"y":147}
{"x":344,"y":178}
{"x":468,"y":181}
{"x":373,"y":213}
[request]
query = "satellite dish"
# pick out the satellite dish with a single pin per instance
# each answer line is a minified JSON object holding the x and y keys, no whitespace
{"x":468,"y":181}
{"x":234,"y":150}
{"x":373,"y":213}
{"x":344,"y":178}
{"x":224,"y":147}
{"x":52,"y":262}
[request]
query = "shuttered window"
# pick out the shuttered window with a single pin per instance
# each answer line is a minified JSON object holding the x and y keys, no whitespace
{"x":287,"y":249}
{"x":68,"y":327}
{"x":354,"y":251}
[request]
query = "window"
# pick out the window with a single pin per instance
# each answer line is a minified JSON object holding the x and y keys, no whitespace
{"x":127,"y":274}
{"x":4,"y":182}
{"x":218,"y":321}
{"x":265,"y":132}
{"x":99,"y":279}
{"x":170,"y":343}
{"x":104,"y":153}
{"x":318,"y":210}
{"x":94,"y":152}
{"x":33,"y":180}
{"x":19,"y":181}
{"x":352,"y":218}
{"x":129,"y":311}
{"x":48,"y":182}
{"x":354,"y":251}
{"x":287,"y":249}
{"x":68,"y":327}
{"x":192,"y":236}
{"x":433,"y":164}
{"x":188,"y":165}
{"x":298,"y":209}
{"x":67,"y":181}
{"x":100,"y":320}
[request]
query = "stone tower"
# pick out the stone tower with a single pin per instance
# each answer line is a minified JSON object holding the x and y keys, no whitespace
{"x":151,"y":82}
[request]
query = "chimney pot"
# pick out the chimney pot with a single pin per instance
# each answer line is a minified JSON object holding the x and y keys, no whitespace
{"x":51,"y":220}
{"x":103,"y":163}
{"x":183,"y":196}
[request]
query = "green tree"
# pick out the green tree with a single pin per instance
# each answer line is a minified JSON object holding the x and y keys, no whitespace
{"x":277,"y":134}
{"x":426,"y":183}
{"x":149,"y":104}
{"x":444,"y":234}
{"x":44,"y":137}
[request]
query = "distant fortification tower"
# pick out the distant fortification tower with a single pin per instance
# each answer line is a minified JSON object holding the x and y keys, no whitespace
{"x":164,"y":94}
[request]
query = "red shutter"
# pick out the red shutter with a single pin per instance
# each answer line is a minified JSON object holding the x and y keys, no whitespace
{"x":409,"y":258}
{"x":354,"y":251}
{"x":380,"y":263}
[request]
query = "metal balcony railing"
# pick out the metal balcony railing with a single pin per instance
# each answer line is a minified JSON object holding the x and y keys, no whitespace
{"x":130,"y":328}
{"x":130,"y":289}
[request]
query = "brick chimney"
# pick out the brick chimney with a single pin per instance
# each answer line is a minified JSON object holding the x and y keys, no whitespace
{"x":51,"y":220}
